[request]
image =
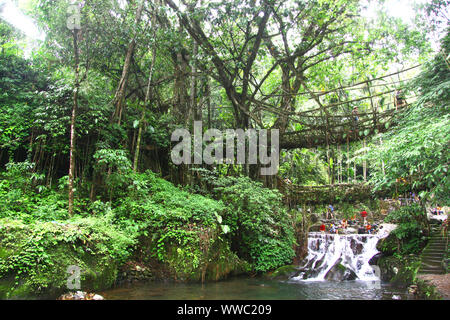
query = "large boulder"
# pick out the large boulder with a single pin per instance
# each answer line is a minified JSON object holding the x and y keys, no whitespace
{"x":284,"y":273}
{"x":388,"y":245}
{"x":340,"y":273}
{"x":398,"y":270}
{"x":374,"y":260}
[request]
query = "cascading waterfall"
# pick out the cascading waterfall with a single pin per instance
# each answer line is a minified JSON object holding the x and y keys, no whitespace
{"x":351,"y":252}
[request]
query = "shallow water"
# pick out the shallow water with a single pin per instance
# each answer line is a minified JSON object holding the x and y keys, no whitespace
{"x":256,"y":289}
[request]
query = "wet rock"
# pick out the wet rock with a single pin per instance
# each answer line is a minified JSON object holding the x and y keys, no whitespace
{"x":81,"y":295}
{"x":357,"y":248}
{"x":314,"y":218}
{"x":340,"y":273}
{"x":412,"y":289}
{"x":284,"y":272}
{"x":374,"y":260}
{"x":351,"y":230}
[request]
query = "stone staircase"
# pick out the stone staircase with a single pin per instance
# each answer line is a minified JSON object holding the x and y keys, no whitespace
{"x":434,"y":254}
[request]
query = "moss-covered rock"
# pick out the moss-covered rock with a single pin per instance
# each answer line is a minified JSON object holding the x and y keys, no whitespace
{"x":340,"y":273}
{"x":398,"y":270}
{"x":427,"y":291}
{"x":283,"y":273}
{"x":190,"y":263}
{"x":389,"y":245}
{"x":36,"y":257}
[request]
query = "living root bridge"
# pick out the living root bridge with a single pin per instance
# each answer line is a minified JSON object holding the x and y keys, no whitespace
{"x":325,"y":194}
{"x":340,"y":130}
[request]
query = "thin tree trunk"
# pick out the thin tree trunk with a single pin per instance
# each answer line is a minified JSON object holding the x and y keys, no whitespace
{"x":364,"y":161}
{"x":348,"y":161}
{"x":73,"y":119}
{"x":147,"y":97}
{"x":208,"y":103}
{"x":120,"y":93}
{"x":195,"y":112}
{"x":382,"y":161}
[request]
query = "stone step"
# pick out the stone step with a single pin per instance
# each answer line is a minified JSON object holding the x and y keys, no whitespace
{"x":431,"y":269}
{"x":425,"y":267}
{"x":433,"y":252}
{"x":440,"y":241}
{"x":431,"y":272}
{"x":436,"y":251}
{"x":431,"y":258}
{"x":436,"y":246}
{"x":434,"y":267}
{"x":431,"y":261}
{"x":425,"y":256}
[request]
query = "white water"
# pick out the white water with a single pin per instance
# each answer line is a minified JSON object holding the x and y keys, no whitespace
{"x":354,"y":250}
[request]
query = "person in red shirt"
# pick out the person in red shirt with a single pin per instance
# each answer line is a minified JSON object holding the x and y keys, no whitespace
{"x":322,"y":228}
{"x":364,"y":215}
{"x":368,"y":228}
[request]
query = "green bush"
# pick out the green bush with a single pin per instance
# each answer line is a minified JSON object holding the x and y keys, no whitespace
{"x":36,"y":256}
{"x":261,"y":229}
{"x":411,"y":223}
{"x":184,"y":228}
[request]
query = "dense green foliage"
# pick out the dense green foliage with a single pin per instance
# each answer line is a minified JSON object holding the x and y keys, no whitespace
{"x":186,"y":231}
{"x":86,"y":118}
{"x":260,"y":226}
{"x":409,"y":234}
{"x":416,"y":151}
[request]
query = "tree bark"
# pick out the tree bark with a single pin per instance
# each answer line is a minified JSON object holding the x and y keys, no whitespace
{"x":73,"y":120}
{"x":147,"y":97}
{"x":120,"y":92}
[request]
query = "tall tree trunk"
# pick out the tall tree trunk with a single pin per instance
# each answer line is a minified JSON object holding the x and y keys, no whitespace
{"x":73,"y":119}
{"x":120,"y":92}
{"x":197,"y":113}
{"x":208,"y":102}
{"x":382,"y":161}
{"x":364,"y":161}
{"x":348,"y":161}
{"x":147,"y":97}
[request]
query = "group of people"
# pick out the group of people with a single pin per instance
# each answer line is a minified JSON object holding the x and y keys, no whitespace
{"x":367,"y":227}
{"x":335,"y":228}
{"x":437,"y":211}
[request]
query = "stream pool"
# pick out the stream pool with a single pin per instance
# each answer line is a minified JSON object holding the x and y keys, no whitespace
{"x":256,"y":289}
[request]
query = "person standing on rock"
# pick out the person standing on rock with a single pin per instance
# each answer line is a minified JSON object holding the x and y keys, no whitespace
{"x":330,"y":211}
{"x":368,"y":228}
{"x":364,"y":215}
{"x":344,"y":224}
